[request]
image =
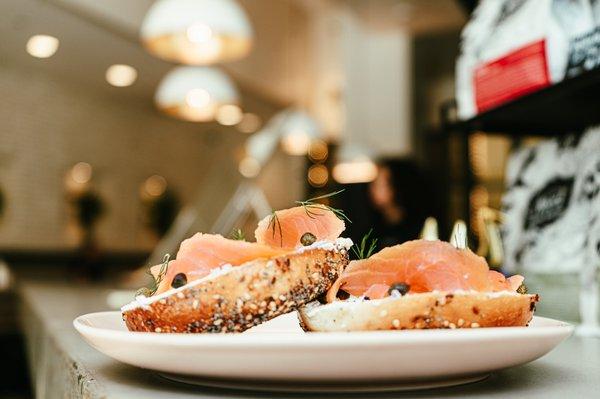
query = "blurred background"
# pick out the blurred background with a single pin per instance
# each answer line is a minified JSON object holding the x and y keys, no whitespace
{"x":128,"y":125}
{"x":85,"y":113}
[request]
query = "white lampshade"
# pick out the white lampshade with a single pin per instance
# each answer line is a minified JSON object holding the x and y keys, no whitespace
{"x":296,"y":130}
{"x":262,"y":145}
{"x":195,"y":93}
{"x":354,"y":165}
{"x":197,"y":32}
{"x":293,"y":128}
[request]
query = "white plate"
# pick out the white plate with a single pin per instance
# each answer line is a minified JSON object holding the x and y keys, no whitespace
{"x":279,"y":356}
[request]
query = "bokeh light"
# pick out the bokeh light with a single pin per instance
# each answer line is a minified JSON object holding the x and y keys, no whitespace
{"x":121,"y":75}
{"x":42,"y":46}
{"x":318,"y":175}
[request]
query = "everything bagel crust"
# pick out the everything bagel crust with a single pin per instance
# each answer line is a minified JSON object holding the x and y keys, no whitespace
{"x":467,"y":309}
{"x":245,"y":296}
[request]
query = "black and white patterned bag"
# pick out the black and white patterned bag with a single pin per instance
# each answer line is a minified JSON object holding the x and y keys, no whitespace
{"x":551,"y":204}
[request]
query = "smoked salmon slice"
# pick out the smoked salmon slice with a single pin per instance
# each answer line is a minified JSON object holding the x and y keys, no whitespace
{"x":424,"y":265}
{"x":276,"y":235}
{"x":201,"y":253}
{"x":285,"y":228}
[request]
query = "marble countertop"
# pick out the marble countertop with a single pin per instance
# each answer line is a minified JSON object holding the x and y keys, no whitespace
{"x":63,"y":365}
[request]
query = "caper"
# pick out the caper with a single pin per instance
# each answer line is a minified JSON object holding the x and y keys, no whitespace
{"x":402,"y":288}
{"x":522,"y":289}
{"x":179,"y":280}
{"x":308,"y":239}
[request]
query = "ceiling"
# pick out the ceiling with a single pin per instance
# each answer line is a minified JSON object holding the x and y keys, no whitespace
{"x":95,"y":34}
{"x":124,"y":17}
{"x":86,"y":49}
{"x":416,"y":16}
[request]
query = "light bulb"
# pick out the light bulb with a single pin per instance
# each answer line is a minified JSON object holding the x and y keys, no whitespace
{"x":121,"y":75}
{"x":229,"y":115}
{"x":197,"y":98}
{"x":318,"y":175}
{"x":249,"y":167}
{"x":42,"y":46}
{"x":296,"y":142}
{"x":360,"y":171}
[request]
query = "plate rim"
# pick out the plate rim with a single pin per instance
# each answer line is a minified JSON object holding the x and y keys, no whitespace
{"x":314,"y":387}
{"x":323,"y":339}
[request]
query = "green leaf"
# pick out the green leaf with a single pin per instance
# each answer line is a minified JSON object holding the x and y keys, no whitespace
{"x":311,"y":206}
{"x":149,"y":291}
{"x":367,"y":246}
{"x":238,"y":235}
{"x":275,"y":225}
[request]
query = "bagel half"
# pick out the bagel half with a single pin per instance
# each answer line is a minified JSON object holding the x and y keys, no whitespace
{"x":241,"y":297}
{"x":467,"y":309}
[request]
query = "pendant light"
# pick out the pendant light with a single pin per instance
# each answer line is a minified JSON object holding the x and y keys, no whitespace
{"x":197,"y":32}
{"x":296,"y":130}
{"x":293,"y":129}
{"x":195,"y":93}
{"x":354,"y":165}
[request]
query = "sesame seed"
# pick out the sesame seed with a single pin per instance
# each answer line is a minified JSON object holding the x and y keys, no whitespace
{"x":383,"y":313}
{"x":445,"y":323}
{"x":162,"y":301}
{"x":218,"y":322}
{"x":195,"y":304}
{"x":180,"y":295}
{"x":475,"y":325}
{"x":452,"y":325}
{"x":248,"y":317}
{"x":460,"y":322}
{"x":253,"y":306}
{"x":247,"y":296}
{"x":157,"y":329}
{"x":396,"y":323}
{"x":282,"y":298}
{"x":315,"y":275}
{"x":216,"y":296}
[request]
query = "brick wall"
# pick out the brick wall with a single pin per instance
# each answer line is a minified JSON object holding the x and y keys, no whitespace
{"x":48,"y":123}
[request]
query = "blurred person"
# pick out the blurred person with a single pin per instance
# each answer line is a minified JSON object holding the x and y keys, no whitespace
{"x":401,"y":199}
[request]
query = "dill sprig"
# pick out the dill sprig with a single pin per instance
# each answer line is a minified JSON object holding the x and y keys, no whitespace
{"x":367,"y":246}
{"x":238,"y":235}
{"x":149,"y":291}
{"x":311,"y":206}
{"x":275,"y":225}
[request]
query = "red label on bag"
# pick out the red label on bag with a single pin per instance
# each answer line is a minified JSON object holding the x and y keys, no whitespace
{"x":514,"y":75}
